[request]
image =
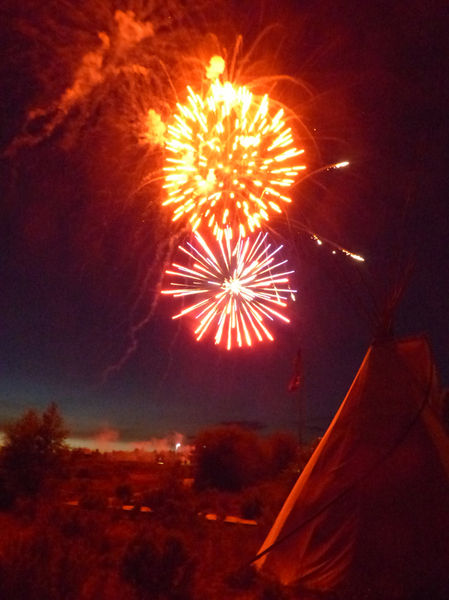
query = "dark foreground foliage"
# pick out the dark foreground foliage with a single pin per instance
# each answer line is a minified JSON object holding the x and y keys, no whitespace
{"x":158,"y":566}
{"x":80,"y":526}
{"x":100,"y":529}
{"x":51,"y":551}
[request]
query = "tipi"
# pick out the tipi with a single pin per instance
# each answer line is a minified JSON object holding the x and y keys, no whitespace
{"x":370,"y":512}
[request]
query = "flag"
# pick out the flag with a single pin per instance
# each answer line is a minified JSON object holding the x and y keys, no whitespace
{"x":296,"y":379}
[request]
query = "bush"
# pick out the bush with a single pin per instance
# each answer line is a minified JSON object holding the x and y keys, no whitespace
{"x":42,"y":566}
{"x":282,"y":451}
{"x":158,"y":569}
{"x":124,"y":493}
{"x":174,"y":504}
{"x":7,"y":496}
{"x":251,"y":507}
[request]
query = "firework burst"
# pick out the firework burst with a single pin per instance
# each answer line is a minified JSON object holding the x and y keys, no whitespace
{"x":230,"y":159}
{"x":239,"y":288}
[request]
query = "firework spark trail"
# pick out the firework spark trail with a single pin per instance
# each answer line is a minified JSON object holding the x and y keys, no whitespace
{"x":162,"y":256}
{"x":239,"y":286}
{"x":336,"y":247}
{"x":230,"y":158}
{"x":137,"y":327}
{"x":168,"y":362}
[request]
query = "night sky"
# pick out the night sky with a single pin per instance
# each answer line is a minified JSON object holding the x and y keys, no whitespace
{"x":84,"y":240}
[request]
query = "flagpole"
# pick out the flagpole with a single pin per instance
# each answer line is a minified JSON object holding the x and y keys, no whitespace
{"x":302,"y":412}
{"x":297,"y":383}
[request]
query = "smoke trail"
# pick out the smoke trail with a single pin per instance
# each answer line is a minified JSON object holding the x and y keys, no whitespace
{"x":166,"y":250}
{"x":130,"y":50}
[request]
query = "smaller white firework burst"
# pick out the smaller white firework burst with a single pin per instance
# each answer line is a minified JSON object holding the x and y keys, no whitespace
{"x":240,"y":286}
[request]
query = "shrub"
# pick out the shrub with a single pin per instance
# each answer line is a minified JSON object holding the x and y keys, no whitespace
{"x":251,"y":507}
{"x":282,"y":451}
{"x":173,"y":504}
{"x":157,"y":568}
{"x":7,"y":496}
{"x":42,"y":566}
{"x":124,"y":493}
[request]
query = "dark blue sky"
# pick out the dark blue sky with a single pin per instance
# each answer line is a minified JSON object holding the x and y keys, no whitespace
{"x":82,"y":248}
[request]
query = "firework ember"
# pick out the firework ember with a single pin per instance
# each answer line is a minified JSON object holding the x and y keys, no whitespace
{"x":230,"y":160}
{"x":238,"y":288}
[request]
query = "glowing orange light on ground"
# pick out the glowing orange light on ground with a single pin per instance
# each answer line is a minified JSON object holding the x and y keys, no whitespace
{"x":238,"y":288}
{"x":230,"y":159}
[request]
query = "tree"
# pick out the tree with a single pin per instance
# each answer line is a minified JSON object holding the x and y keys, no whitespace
{"x":228,"y":458}
{"x":34,"y":446}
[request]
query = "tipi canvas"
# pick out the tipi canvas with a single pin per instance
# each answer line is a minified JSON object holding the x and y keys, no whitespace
{"x":370,"y":511}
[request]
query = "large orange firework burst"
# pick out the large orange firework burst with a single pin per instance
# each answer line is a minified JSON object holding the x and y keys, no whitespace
{"x":239,"y":288}
{"x":231,"y":158}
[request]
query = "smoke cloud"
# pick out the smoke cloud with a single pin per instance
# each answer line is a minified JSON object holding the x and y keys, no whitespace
{"x":95,"y":68}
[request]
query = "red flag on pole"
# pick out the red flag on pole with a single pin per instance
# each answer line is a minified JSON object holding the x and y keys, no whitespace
{"x":296,"y":379}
